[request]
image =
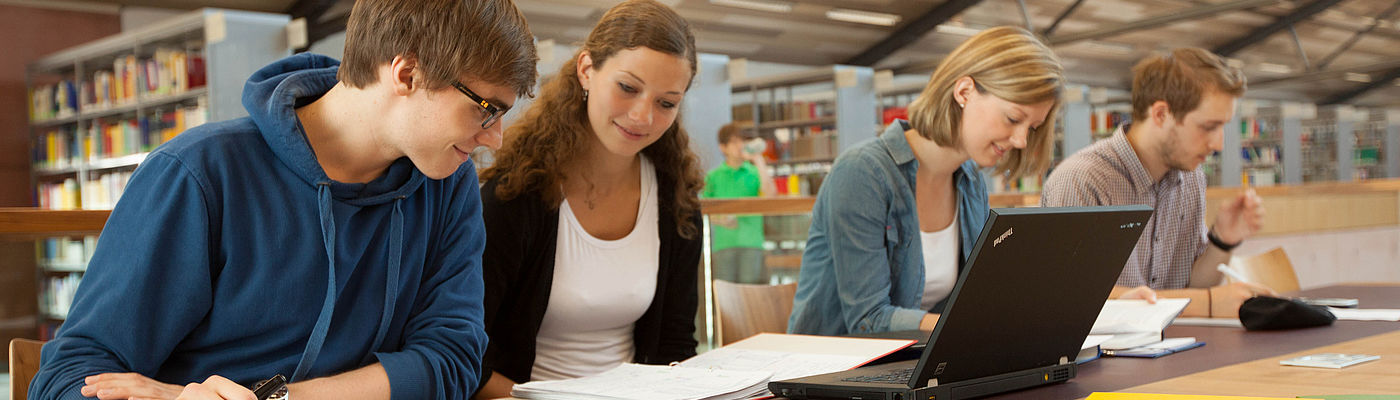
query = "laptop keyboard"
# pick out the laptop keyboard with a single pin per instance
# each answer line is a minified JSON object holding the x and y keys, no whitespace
{"x":900,"y":376}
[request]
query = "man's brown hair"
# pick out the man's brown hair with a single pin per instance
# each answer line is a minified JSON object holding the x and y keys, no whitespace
{"x":487,"y":40}
{"x":1181,"y":78}
{"x":729,"y":132}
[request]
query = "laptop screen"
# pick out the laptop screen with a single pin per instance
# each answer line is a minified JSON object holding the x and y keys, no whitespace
{"x":1031,"y":290}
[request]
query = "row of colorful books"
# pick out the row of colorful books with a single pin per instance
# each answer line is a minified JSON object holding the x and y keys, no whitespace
{"x":166,"y":72}
{"x":98,"y":193}
{"x":63,"y":147}
{"x":57,"y":295}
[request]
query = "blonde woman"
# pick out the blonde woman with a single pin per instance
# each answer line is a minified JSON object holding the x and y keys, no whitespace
{"x":896,"y":219}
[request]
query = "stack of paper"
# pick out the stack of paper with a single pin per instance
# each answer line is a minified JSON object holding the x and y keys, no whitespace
{"x":738,"y":371}
{"x":1135,"y":323}
{"x":649,"y":382}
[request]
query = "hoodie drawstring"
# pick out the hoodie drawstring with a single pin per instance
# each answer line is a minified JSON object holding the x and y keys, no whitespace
{"x":391,"y":283}
{"x":323,"y":321}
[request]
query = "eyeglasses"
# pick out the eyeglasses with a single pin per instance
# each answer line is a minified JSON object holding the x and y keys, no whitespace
{"x":493,"y":112}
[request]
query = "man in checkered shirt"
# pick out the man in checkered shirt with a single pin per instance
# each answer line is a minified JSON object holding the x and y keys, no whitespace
{"x":1181,"y":103}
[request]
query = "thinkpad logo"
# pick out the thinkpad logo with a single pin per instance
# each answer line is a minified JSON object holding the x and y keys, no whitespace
{"x":1003,"y":236}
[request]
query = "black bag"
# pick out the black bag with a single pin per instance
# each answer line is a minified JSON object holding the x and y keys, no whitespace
{"x":1269,"y":313}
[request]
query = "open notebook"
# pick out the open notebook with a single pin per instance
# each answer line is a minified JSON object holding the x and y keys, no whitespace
{"x":1135,"y":323}
{"x":738,"y":371}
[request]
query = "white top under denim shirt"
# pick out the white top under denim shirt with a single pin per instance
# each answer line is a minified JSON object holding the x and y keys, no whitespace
{"x":863,"y":268}
{"x":941,"y":257}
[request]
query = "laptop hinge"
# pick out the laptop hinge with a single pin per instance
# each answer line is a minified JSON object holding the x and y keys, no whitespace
{"x":932,"y":382}
{"x":1064,"y":360}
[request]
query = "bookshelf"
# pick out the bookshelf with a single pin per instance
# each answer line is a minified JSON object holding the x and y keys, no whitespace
{"x":807,"y":117}
{"x":96,"y":110}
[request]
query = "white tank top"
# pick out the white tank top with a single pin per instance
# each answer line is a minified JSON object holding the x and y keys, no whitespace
{"x":940,"y":262}
{"x":600,"y":289}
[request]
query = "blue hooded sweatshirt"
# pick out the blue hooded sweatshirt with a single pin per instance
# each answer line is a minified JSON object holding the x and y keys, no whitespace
{"x":231,"y":253}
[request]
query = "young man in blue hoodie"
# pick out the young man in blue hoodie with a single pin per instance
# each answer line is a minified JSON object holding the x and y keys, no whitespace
{"x":334,"y":236}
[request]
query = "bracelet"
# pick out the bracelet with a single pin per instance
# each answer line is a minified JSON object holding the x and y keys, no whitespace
{"x":1210,"y":304}
{"x":1215,"y":240}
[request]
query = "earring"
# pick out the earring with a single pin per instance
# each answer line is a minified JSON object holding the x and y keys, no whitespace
{"x":585,"y":95}
{"x":960,"y":105}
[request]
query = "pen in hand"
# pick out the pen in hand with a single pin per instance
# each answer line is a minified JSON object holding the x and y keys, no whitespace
{"x":1232,"y":273}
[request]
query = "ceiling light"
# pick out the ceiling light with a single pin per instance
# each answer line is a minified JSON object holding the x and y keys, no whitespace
{"x":1275,"y":68}
{"x":1114,"y":48}
{"x":862,"y":17}
{"x":1357,"y":77}
{"x":759,"y":5}
{"x":956,"y":29}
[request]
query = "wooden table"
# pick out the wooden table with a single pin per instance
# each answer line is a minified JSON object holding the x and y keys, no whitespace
{"x":1239,"y":362}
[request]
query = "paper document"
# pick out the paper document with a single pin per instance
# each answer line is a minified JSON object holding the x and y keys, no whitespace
{"x":1374,"y":314}
{"x":724,"y":373}
{"x":1095,"y":340}
{"x":649,"y":382}
{"x":1196,"y":321}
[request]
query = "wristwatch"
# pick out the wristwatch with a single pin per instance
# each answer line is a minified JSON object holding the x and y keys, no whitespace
{"x":1219,"y":243}
{"x":277,"y":381}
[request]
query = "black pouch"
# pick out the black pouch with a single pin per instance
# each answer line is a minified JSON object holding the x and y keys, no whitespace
{"x":1269,"y":313}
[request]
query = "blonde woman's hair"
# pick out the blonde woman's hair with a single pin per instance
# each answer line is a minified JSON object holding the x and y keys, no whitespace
{"x":1009,"y":63}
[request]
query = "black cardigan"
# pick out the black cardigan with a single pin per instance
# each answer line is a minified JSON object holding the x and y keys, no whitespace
{"x":518,"y":270}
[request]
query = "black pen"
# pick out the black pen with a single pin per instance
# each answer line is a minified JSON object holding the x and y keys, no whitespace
{"x":267,"y":388}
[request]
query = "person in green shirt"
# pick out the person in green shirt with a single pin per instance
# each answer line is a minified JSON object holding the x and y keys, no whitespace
{"x":736,"y":242}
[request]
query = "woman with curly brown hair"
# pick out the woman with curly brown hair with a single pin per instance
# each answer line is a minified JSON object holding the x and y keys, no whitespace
{"x":592,"y":211}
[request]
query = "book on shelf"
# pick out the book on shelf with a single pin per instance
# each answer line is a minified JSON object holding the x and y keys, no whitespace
{"x":56,"y":296}
{"x":165,"y":72}
{"x":59,"y":195}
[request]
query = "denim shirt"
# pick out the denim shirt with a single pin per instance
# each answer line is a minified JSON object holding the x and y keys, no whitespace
{"x":863,"y":268}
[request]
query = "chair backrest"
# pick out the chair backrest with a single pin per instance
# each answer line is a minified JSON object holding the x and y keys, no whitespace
{"x":1271,"y":269}
{"x":24,"y":363}
{"x":746,"y":310}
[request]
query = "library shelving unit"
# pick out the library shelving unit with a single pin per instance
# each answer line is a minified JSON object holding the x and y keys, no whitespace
{"x":1261,"y":148}
{"x":808,"y":117}
{"x":1369,"y":150}
{"x":97,"y":109}
{"x":1318,"y":146}
{"x":807,"y":131}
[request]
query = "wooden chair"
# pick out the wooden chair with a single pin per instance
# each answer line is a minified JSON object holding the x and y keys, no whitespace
{"x":1270,"y":269}
{"x":745,"y":310}
{"x":24,"y":363}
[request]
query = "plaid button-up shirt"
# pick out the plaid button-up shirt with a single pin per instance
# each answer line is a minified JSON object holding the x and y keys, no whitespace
{"x":1110,"y":173}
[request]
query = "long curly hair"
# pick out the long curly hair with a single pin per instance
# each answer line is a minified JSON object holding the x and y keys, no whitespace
{"x":554,"y":130}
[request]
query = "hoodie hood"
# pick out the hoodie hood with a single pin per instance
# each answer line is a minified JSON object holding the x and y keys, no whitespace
{"x":271,"y":97}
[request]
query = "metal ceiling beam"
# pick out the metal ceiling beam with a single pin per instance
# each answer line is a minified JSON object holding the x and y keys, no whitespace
{"x":314,"y":33}
{"x":1259,"y":34}
{"x":911,"y":32}
{"x":1328,"y":74}
{"x":1064,"y":14}
{"x":1357,"y":36}
{"x":1384,"y":80}
{"x":1160,"y":20}
{"x":313,"y":11}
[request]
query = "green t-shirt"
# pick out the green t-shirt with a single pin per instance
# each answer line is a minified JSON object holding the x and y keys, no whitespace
{"x":726,"y":181}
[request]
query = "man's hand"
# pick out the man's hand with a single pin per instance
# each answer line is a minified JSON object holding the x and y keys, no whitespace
{"x":129,"y":385}
{"x":216,"y":388}
{"x":1225,"y":300}
{"x":1140,"y":292}
{"x":1240,"y":217}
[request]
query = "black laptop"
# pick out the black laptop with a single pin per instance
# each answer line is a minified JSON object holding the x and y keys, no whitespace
{"x":1017,"y":316}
